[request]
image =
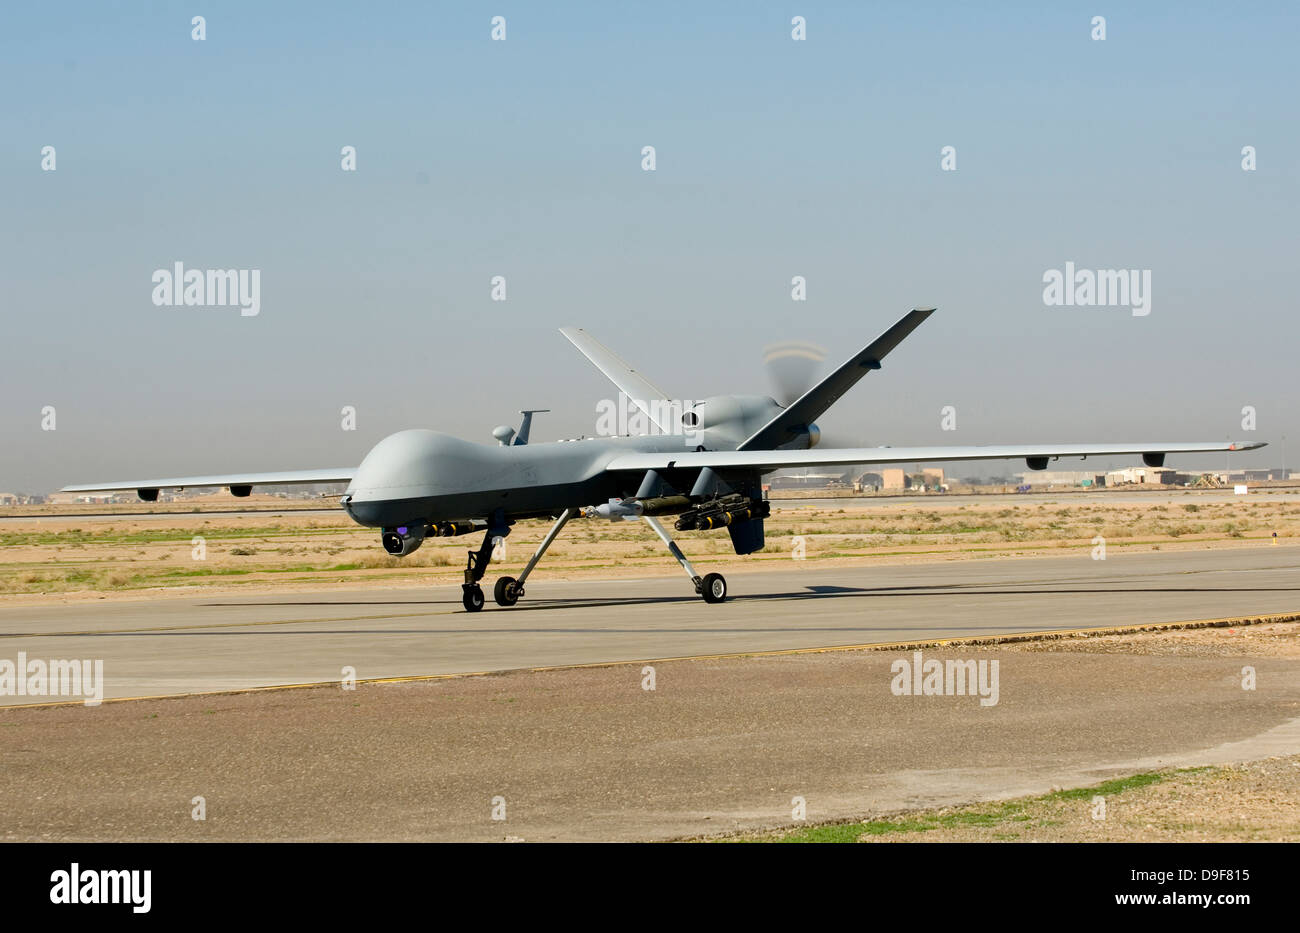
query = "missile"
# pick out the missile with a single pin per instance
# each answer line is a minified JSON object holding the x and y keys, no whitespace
{"x":723,"y":512}
{"x":454,"y":529}
{"x":664,"y":505}
{"x":615,"y":509}
{"x":724,"y":518}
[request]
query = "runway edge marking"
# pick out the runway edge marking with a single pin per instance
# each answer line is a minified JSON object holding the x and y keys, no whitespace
{"x":973,"y":640}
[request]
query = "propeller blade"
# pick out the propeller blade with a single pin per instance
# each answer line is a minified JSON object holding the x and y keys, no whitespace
{"x":792,"y":369}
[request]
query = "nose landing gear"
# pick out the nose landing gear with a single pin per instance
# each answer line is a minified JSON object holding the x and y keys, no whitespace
{"x":477,"y":563}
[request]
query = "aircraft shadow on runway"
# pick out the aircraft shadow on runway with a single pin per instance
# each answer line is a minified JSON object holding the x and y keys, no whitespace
{"x":274,"y":629}
{"x":810,"y":592}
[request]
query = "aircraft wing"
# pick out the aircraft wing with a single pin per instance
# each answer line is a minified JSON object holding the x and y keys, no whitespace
{"x":794,"y":420}
{"x":639,"y":390}
{"x":236,"y":481}
{"x":1152,"y":453}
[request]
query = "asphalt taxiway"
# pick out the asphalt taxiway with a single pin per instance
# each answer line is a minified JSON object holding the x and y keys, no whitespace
{"x":219,"y":643}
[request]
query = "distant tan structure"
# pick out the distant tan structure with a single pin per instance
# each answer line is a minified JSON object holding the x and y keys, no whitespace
{"x":1089,"y":478}
{"x":95,"y":498}
{"x":897,"y":479}
{"x":1150,"y":476}
{"x":893,"y":478}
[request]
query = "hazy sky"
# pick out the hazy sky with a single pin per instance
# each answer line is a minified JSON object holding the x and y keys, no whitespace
{"x":522,"y":158}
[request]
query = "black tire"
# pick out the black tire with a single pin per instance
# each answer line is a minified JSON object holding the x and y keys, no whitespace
{"x":506,"y":592}
{"x":473,"y":598}
{"x":714,"y":588}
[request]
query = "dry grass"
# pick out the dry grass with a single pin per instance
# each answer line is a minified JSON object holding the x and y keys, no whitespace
{"x":55,"y":556}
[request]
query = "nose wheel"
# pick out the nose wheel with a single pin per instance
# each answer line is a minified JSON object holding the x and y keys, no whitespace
{"x":477,"y":562}
{"x":473,"y":598}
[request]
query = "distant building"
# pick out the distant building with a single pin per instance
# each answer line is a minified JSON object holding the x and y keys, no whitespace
{"x":1252,"y":476}
{"x":807,"y":480}
{"x":894,"y":478}
{"x":93,"y":498}
{"x":1146,"y":476}
{"x":1090,"y":478}
{"x":1262,"y":476}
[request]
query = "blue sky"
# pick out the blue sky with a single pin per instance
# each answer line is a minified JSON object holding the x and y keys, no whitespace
{"x":522,"y":158}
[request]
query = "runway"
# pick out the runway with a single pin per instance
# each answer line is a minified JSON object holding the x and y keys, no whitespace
{"x":205,"y":644}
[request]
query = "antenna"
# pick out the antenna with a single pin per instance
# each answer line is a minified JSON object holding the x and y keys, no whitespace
{"x":522,"y":437}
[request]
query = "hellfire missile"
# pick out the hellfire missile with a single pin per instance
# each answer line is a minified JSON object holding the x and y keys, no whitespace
{"x":729,"y":510}
{"x":615,"y":509}
{"x":453,"y":529}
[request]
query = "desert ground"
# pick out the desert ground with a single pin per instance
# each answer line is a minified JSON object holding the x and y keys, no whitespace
{"x":1239,"y":801}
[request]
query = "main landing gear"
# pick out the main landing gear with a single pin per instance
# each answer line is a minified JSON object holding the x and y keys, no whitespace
{"x":509,"y":590}
{"x":713,"y":586}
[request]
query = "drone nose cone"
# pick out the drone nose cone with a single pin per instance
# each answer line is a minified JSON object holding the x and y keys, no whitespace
{"x":409,"y":475}
{"x":400,"y":468}
{"x":372,"y":514}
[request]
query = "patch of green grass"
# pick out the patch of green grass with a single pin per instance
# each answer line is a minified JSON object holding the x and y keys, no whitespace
{"x":987,"y":816}
{"x":1110,"y":788}
{"x":158,"y":535}
{"x":204,"y":572}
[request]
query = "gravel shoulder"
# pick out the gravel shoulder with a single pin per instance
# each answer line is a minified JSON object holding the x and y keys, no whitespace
{"x":720,"y":746}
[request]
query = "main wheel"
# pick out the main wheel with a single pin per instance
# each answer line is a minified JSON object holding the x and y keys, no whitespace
{"x":473,"y":598}
{"x":506,"y":592}
{"x":714,"y":588}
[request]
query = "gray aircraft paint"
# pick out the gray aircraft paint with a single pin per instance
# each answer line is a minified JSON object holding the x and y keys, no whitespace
{"x":420,"y":475}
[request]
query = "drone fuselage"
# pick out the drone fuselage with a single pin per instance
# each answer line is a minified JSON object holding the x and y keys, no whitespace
{"x":426,"y":476}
